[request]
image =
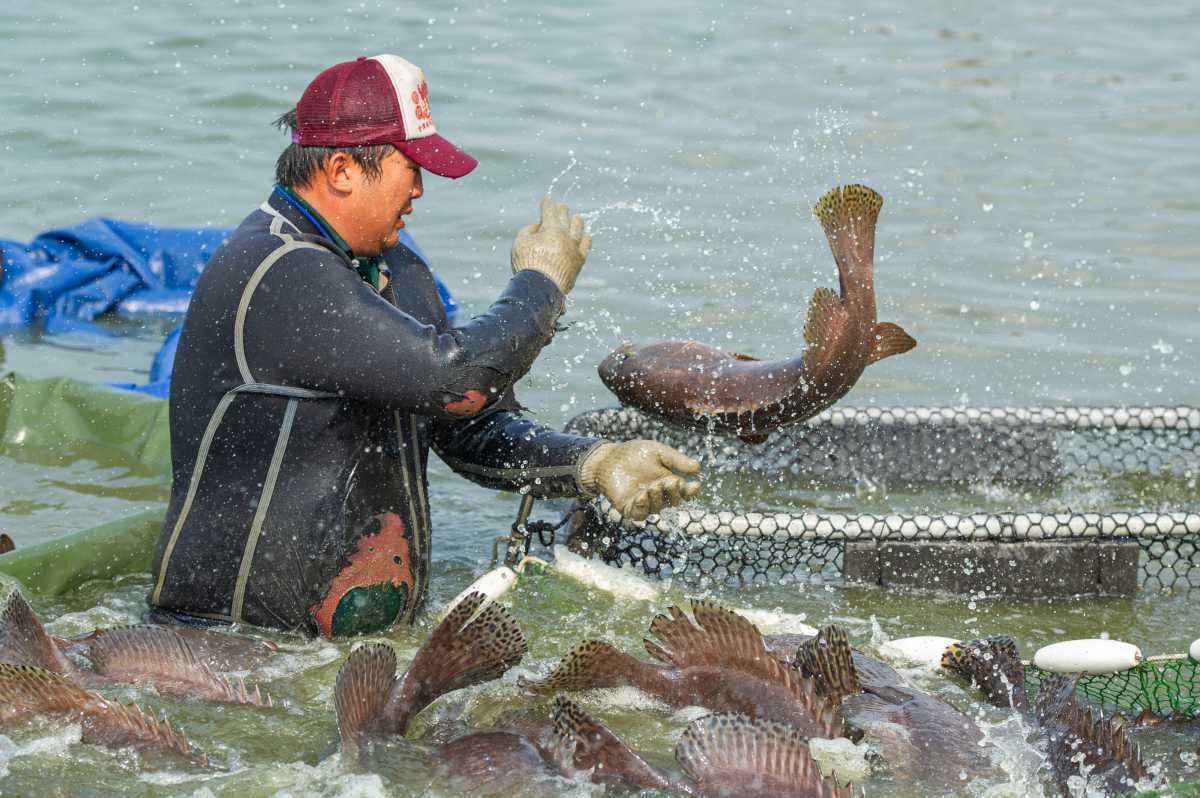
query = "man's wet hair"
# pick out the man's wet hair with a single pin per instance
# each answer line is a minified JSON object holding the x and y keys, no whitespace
{"x":297,"y":165}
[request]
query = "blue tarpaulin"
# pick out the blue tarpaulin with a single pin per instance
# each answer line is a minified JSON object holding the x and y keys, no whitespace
{"x":65,"y":279}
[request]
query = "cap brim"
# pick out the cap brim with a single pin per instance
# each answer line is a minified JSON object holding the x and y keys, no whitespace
{"x":437,"y":155}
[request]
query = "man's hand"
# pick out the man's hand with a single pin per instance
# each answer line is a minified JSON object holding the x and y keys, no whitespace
{"x":639,"y":477}
{"x":556,"y":246}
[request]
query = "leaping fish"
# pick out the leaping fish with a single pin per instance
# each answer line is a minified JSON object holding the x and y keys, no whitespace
{"x":161,"y":656}
{"x":698,"y":386}
{"x":719,"y":662}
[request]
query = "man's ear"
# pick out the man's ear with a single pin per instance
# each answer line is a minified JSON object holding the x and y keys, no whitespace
{"x":340,"y":173}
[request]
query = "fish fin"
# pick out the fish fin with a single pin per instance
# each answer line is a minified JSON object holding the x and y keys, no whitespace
{"x":829,"y":661}
{"x":27,"y":689}
{"x":1055,"y":695}
{"x":850,"y":209}
{"x":591,"y":664}
{"x":719,"y":637}
{"x":594,"y":747}
{"x":1078,"y":741}
{"x":825,"y":322}
{"x":755,"y":438}
{"x":363,"y":685}
{"x":723,"y":750}
{"x":722,"y":638}
{"x":6,"y":544}
{"x":473,"y":644}
{"x":825,"y":316}
{"x":890,"y":339}
{"x":156,"y":654}
{"x":23,"y":639}
{"x":993,"y":665}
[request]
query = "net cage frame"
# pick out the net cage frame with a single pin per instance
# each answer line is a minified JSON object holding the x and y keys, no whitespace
{"x":1038,"y":446}
{"x":1035,"y":446}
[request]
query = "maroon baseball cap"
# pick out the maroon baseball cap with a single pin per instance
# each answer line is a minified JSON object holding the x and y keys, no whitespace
{"x":379,"y":100}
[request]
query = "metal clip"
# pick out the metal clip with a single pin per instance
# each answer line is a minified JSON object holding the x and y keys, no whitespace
{"x":518,"y":540}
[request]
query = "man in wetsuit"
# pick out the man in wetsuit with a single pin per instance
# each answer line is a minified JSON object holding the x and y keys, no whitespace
{"x":317,"y":367}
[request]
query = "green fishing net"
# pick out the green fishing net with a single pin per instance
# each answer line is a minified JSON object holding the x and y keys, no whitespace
{"x":1167,"y":686}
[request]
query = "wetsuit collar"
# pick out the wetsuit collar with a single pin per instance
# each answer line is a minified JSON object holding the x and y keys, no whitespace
{"x":368,"y":268}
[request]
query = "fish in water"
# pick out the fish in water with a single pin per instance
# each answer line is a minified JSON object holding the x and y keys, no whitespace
{"x":6,"y":543}
{"x":1078,"y":743}
{"x":923,"y":738}
{"x":476,"y":643}
{"x":164,"y":657}
{"x":473,"y":644}
{"x":26,"y":691}
{"x":721,"y":755}
{"x":719,"y":662}
{"x":698,"y":386}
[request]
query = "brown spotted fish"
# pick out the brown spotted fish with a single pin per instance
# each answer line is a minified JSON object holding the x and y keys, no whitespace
{"x":164,"y":657}
{"x":698,"y":386}
{"x":721,"y":755}
{"x":923,"y":738}
{"x":1078,"y":743}
{"x":719,"y":662}
{"x":6,"y":544}
{"x":472,"y":645}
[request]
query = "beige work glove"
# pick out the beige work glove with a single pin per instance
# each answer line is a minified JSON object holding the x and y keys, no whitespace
{"x":639,"y":477}
{"x":556,"y":246}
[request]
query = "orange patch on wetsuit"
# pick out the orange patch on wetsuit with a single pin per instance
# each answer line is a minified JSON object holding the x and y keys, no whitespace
{"x":373,"y":590}
{"x":471,"y":403}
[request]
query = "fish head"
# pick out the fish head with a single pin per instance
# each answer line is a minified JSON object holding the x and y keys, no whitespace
{"x":611,"y":367}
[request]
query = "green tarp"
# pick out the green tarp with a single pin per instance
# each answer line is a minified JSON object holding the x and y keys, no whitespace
{"x":55,"y":421}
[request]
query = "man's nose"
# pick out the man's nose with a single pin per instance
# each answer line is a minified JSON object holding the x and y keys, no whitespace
{"x":418,"y":186}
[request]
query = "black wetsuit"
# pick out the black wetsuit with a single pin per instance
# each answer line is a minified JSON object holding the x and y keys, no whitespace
{"x":303,"y":405}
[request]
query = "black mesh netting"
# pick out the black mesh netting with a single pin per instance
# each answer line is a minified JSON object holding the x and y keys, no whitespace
{"x":914,"y":446}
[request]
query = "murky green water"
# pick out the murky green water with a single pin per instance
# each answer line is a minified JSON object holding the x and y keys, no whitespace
{"x":1038,"y":240}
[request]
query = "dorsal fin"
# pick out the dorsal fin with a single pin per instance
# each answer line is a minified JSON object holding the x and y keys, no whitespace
{"x":1078,"y":741}
{"x":470,"y":646}
{"x":30,"y":690}
{"x":890,"y":339}
{"x":724,"y":639}
{"x":721,"y":638}
{"x":160,"y":656}
{"x":23,"y":639}
{"x":731,"y":754}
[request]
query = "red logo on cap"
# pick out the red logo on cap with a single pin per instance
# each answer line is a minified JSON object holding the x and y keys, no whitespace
{"x":420,"y":98}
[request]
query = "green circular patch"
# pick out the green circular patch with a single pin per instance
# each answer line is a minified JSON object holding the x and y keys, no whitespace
{"x":368,"y":609}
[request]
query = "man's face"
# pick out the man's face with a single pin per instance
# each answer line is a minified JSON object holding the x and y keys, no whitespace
{"x":380,"y":203}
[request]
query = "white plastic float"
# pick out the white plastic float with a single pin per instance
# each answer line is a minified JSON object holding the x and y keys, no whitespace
{"x":924,"y":651}
{"x":1091,"y":657}
{"x":494,"y":584}
{"x":1194,"y":650}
